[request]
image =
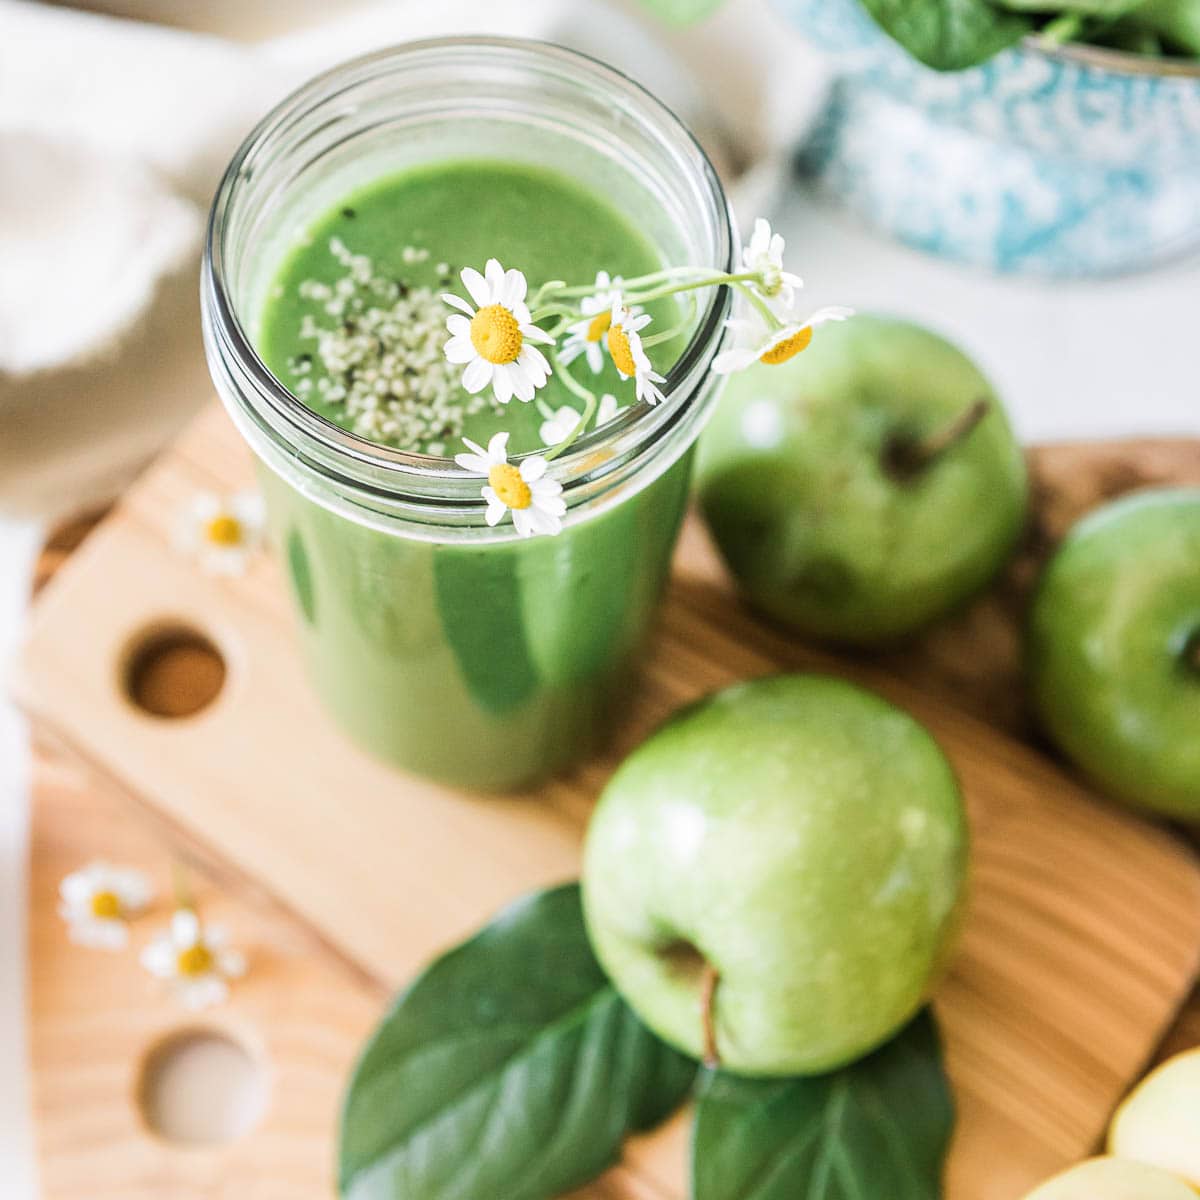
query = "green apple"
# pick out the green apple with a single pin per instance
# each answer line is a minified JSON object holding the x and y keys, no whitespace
{"x":1159,"y":1123}
{"x":1113,"y":1179}
{"x":865,"y":488}
{"x":1113,"y":649}
{"x":776,"y":875}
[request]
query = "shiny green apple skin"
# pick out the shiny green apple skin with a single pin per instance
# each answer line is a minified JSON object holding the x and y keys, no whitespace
{"x":805,"y":838}
{"x":795,"y":485}
{"x":1113,"y":1179}
{"x":1114,"y":619}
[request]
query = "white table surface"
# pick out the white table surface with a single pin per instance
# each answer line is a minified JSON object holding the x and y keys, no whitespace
{"x":1109,"y":358}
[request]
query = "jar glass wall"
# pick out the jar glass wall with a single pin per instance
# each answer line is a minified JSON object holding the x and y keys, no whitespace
{"x":455,"y":649}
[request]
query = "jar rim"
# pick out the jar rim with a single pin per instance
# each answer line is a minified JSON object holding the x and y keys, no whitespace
{"x":229,"y":339}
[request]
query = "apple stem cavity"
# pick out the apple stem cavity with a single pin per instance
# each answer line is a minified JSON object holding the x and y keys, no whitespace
{"x":906,"y":458}
{"x":709,"y":979}
{"x":1191,"y":653}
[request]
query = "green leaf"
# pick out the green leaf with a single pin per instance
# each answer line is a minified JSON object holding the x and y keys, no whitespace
{"x":949,"y":35}
{"x":879,"y":1127}
{"x":1088,"y":8}
{"x":510,"y":1070}
{"x":681,"y":12}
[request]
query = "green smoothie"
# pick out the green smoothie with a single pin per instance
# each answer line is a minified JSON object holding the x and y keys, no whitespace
{"x":486,"y":665}
{"x":373,"y":271}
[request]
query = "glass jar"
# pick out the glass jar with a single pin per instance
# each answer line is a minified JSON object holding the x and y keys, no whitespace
{"x":453,"y":649}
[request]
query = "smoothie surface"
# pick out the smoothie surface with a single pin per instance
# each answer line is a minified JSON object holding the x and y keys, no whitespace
{"x":354,"y":324}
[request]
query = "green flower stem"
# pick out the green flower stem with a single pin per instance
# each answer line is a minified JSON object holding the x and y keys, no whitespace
{"x":182,"y":887}
{"x":564,"y":311}
{"x":637,"y":281}
{"x":549,"y":286}
{"x":764,"y":309}
{"x":676,"y":289}
{"x":667,"y":335}
{"x":589,"y":401}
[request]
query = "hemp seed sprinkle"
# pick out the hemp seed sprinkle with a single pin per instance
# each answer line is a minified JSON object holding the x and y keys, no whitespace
{"x":380,"y":361}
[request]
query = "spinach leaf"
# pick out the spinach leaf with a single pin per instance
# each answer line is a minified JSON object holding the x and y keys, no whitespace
{"x":879,"y":1127}
{"x":949,"y":35}
{"x":509,"y":1069}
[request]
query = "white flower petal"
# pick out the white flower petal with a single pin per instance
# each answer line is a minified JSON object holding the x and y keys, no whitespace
{"x":458,"y":302}
{"x":834,"y":312}
{"x":515,"y":288}
{"x":250,"y":509}
{"x":607,"y":410}
{"x":476,"y":286}
{"x":502,"y":384}
{"x":534,"y":362}
{"x":497,"y":449}
{"x":134,"y":890}
{"x":98,"y":934}
{"x":459,"y":350}
{"x":185,"y":928}
{"x":494,"y":274}
{"x":535,"y":333}
{"x":231,"y":964}
{"x":477,"y":375}
{"x":571,"y":349}
{"x":459,"y":325}
{"x":544,"y":522}
{"x":533,"y":468}
{"x":160,"y":957}
{"x":544,"y":487}
{"x":729,"y":361}
{"x":495,"y":512}
{"x":77,"y":888}
{"x":205,"y":992}
{"x":523,"y":520}
{"x":523,"y":381}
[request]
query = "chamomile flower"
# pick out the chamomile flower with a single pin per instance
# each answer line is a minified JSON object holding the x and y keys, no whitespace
{"x":764,"y":254}
{"x":194,"y":960}
{"x":222,"y":532}
{"x":586,"y":336}
{"x":98,"y":901}
{"x":495,"y":340}
{"x":557,"y":428}
{"x":535,"y":502}
{"x":754,"y":344}
{"x":628,"y":355}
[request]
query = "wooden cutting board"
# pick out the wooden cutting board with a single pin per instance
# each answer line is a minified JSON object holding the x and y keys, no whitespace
{"x":1084,"y":934}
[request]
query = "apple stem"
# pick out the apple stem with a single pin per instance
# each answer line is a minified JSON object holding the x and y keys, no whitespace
{"x":909,"y":458}
{"x":708,"y":992}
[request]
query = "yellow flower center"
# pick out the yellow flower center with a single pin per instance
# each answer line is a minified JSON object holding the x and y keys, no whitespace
{"x":507,"y":483}
{"x":495,"y":334}
{"x":598,"y":326}
{"x":224,"y":530}
{"x":106,"y":906}
{"x":621,"y":351}
{"x":788,"y":348}
{"x":195,"y":961}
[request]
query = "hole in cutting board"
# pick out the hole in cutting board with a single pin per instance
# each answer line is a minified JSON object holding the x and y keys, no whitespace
{"x":201,"y":1088}
{"x":172,"y":671}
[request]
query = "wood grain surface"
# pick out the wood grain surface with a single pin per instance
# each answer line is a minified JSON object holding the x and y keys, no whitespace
{"x":1085,"y":923}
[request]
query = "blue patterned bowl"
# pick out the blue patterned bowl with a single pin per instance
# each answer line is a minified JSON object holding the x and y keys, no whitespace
{"x":1046,"y":161}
